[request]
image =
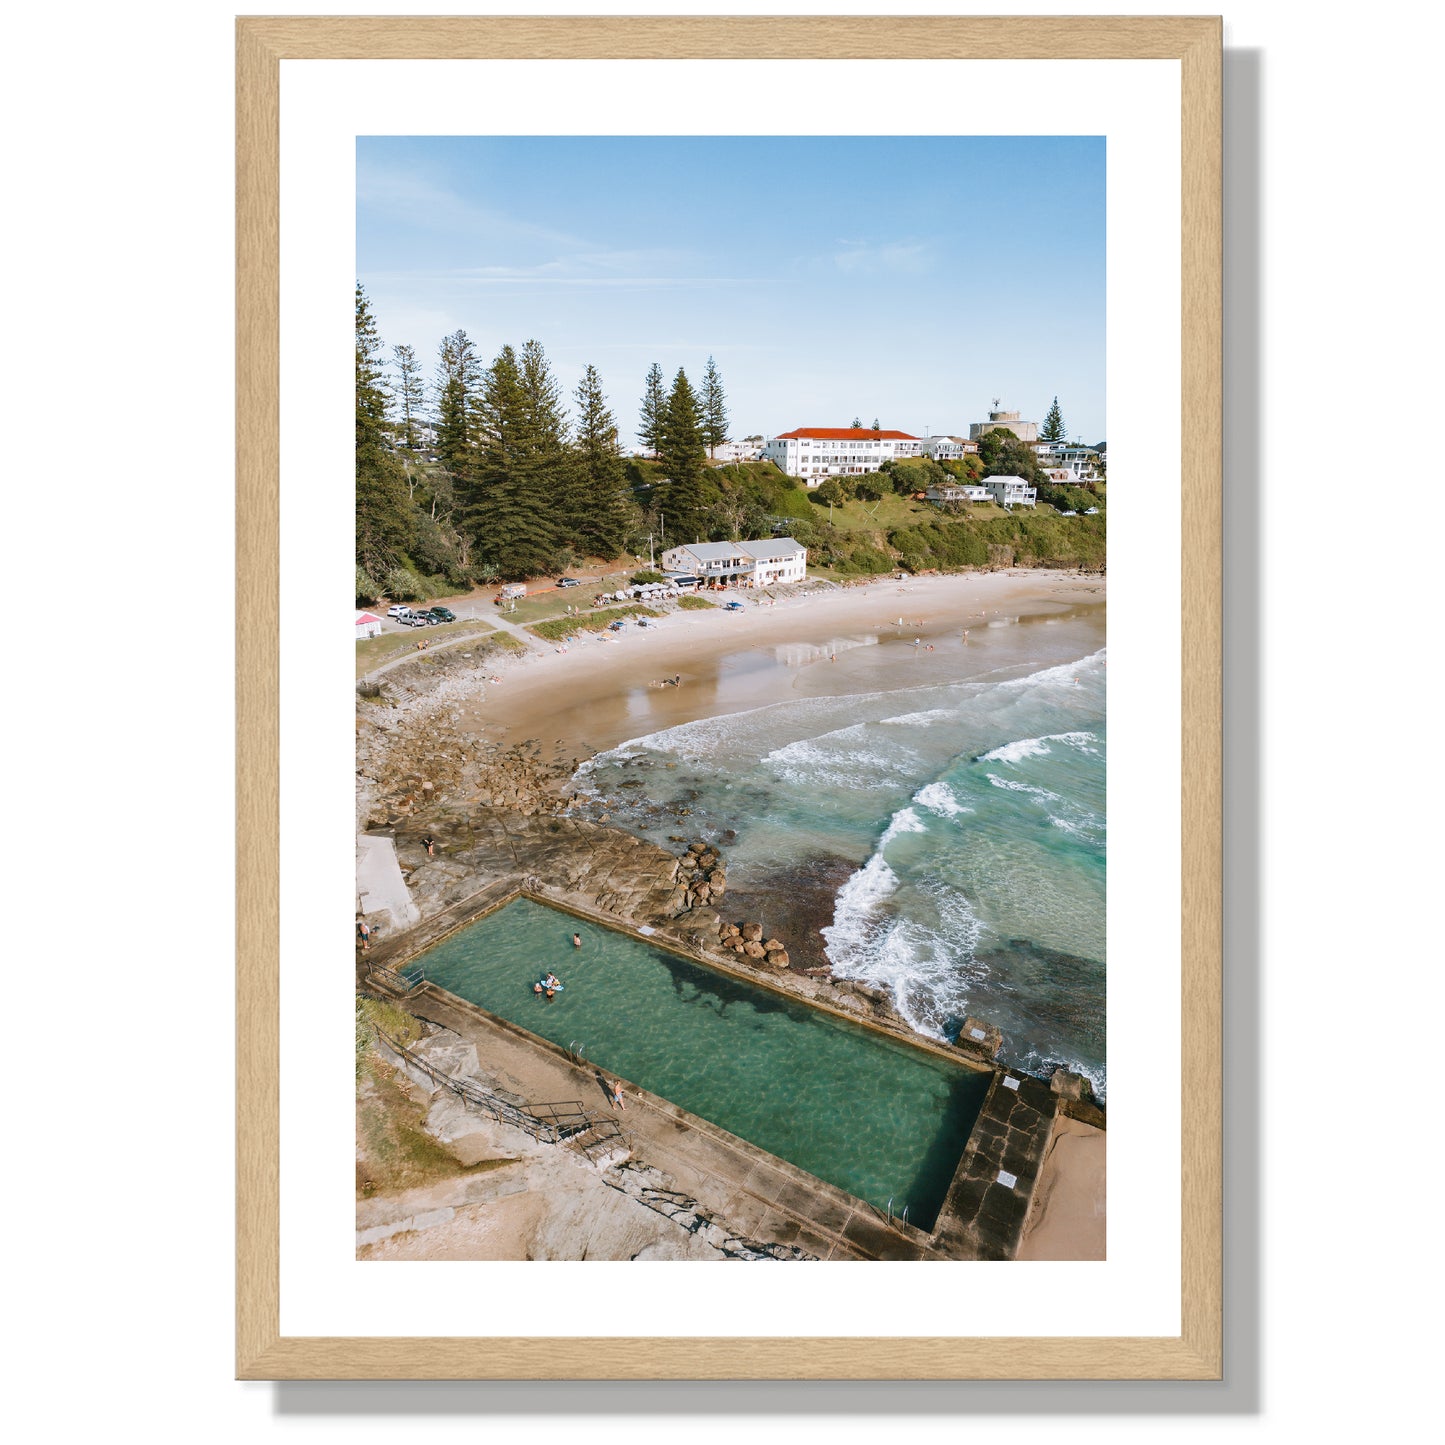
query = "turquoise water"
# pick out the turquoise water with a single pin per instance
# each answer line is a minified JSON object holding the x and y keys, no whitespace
{"x":878,"y":1119}
{"x":942,"y":838}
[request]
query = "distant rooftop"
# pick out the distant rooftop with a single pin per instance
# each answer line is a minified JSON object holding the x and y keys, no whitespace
{"x":846,"y":434}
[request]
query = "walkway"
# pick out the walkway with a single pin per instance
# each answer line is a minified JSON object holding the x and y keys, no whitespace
{"x":380,"y":888}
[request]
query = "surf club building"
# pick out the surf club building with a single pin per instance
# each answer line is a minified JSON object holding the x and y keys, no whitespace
{"x":741,"y":564}
{"x":816,"y":453}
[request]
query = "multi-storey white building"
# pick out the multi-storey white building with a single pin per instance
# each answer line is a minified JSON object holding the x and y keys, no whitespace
{"x":749,"y":564}
{"x":1010,"y":491}
{"x":750,"y":449}
{"x":817,"y":453}
{"x":1080,"y":462}
{"x":948,"y":448}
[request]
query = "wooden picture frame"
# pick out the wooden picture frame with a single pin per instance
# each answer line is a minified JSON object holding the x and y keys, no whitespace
{"x":262,"y":1352}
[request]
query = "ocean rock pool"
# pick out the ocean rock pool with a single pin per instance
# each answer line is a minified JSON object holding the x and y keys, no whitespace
{"x":877,"y":1118}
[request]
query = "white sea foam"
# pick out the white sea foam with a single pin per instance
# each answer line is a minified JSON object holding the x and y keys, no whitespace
{"x":920,"y":719}
{"x":842,"y":757}
{"x":1064,"y":672}
{"x":905,"y":820}
{"x":939,"y":798}
{"x":925,"y":967}
{"x":1014,"y":786}
{"x":1016,"y":752}
{"x":1039,"y":1065}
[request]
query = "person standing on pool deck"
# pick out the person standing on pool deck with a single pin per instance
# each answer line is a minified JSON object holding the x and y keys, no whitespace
{"x":617,"y":1099}
{"x":363,"y":932}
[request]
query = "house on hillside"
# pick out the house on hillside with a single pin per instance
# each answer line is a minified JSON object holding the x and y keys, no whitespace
{"x":958,"y":492}
{"x":816,"y":453}
{"x":1010,"y":491}
{"x":744,"y":564}
{"x":750,"y":449}
{"x":1078,"y":462}
{"x":948,"y":448}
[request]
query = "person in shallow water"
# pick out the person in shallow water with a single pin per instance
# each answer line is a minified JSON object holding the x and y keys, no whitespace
{"x":576,"y":940}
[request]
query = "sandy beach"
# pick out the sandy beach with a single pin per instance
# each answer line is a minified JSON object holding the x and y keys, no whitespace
{"x":580,"y":698}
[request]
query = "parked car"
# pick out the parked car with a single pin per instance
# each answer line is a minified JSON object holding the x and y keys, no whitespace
{"x":417,"y":619}
{"x":443,"y":614}
{"x":397,"y":611}
{"x":568,"y":582}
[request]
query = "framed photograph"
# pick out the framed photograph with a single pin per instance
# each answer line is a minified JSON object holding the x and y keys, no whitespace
{"x":736,"y":837}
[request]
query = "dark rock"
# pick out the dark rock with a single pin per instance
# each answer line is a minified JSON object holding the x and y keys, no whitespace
{"x":979,"y":1039}
{"x":1069,"y":1085}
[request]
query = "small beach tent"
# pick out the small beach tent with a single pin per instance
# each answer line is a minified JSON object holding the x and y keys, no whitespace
{"x":367,"y":625}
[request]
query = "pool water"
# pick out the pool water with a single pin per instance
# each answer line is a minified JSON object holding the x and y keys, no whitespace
{"x":879,"y":1119}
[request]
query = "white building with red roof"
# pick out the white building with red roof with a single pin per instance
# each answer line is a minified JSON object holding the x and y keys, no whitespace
{"x":367,"y":625}
{"x":819,"y":452}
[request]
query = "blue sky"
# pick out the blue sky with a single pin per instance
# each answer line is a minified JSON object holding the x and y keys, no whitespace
{"x":909,"y":278}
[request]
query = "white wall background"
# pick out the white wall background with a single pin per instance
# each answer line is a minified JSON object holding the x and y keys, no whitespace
{"x":118,"y":239}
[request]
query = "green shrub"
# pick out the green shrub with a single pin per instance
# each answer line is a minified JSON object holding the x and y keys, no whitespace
{"x":694,"y":604}
{"x":368,"y":589}
{"x":401,"y":584}
{"x":640,"y":578}
{"x":556,"y":628}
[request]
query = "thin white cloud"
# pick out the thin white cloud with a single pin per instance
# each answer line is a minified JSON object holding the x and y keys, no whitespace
{"x":864,"y":258}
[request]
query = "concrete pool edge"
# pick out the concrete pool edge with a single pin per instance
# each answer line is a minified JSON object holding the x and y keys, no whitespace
{"x":981,"y":1216}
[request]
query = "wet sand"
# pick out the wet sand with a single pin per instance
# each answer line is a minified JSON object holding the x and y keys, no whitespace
{"x":830,"y":643}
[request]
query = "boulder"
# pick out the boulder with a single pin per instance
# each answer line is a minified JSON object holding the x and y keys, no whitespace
{"x":754,"y":950}
{"x":981,"y":1040}
{"x":700,"y":921}
{"x":752,"y":932}
{"x":1069,"y":1085}
{"x":779,"y":958}
{"x":696,"y":848}
{"x":773,"y":946}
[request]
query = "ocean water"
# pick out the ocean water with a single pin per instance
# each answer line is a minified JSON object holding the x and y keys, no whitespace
{"x":943,"y":839}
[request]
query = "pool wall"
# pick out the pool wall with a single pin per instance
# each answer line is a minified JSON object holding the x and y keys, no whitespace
{"x":987,"y":1202}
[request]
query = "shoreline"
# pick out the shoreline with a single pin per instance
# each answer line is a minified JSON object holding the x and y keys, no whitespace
{"x":731,"y":662}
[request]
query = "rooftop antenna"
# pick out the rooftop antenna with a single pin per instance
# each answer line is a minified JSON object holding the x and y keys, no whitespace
{"x":996,"y":402}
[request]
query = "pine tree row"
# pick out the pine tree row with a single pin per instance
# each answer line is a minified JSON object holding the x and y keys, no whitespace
{"x":517,"y":488}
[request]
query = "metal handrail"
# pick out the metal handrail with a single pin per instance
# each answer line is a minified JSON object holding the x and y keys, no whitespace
{"x":569,"y":1118}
